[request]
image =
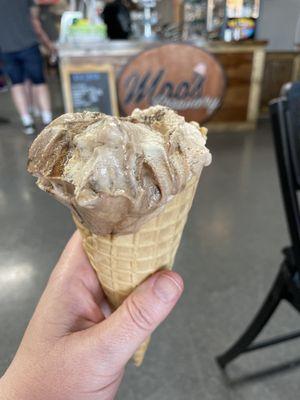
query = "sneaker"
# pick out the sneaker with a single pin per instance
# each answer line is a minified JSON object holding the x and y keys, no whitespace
{"x":29,"y":129}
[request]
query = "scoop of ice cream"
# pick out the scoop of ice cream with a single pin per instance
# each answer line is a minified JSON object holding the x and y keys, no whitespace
{"x":116,"y":173}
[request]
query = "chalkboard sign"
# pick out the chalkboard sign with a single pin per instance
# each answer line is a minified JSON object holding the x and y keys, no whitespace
{"x":89,"y":88}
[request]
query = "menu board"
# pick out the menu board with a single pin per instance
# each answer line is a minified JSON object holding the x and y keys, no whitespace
{"x":89,"y":88}
{"x":90,"y":92}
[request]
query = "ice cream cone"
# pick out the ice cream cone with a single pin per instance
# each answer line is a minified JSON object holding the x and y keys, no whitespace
{"x":122,"y":262}
{"x":129,"y":183}
{"x":139,"y":355}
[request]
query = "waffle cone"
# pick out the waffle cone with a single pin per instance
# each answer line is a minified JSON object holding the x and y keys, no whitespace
{"x":122,"y":262}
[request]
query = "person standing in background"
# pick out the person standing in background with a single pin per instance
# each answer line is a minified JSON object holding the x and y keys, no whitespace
{"x":20,"y":32}
{"x":116,"y":16}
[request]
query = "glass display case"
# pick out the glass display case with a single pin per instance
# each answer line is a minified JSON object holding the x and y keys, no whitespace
{"x":240,"y":14}
{"x":194,"y":18}
{"x":232,"y":19}
{"x":215,"y":18}
{"x":243,"y":8}
{"x":241,"y":19}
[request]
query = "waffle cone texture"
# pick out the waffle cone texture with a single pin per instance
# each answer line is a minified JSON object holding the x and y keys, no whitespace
{"x":122,"y":262}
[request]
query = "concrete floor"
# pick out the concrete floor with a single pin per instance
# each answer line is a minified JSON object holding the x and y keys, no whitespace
{"x":229,"y":254}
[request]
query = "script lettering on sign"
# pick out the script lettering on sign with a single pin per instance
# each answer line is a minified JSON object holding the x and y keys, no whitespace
{"x":155,"y":89}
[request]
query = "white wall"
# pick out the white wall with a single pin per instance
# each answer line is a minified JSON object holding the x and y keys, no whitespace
{"x":277,"y":23}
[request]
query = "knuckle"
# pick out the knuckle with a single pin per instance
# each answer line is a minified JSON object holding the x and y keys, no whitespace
{"x":139,"y":315}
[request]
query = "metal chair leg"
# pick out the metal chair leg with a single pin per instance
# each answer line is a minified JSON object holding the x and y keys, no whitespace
{"x":276,"y":294}
{"x":4,"y":120}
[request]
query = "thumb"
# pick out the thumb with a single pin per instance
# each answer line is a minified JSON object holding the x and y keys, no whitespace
{"x":119,"y":336}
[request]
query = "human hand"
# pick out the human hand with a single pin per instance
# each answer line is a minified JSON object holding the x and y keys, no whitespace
{"x":52,"y":48}
{"x":70,"y":350}
{"x":53,"y":56}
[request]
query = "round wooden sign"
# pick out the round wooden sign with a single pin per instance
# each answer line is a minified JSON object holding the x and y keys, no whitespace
{"x":180,"y":76}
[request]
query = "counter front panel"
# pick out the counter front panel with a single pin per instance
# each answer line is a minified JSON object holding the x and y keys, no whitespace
{"x":243,"y":64}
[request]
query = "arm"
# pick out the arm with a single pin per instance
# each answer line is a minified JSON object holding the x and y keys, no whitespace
{"x":72,"y":348}
{"x":37,"y":26}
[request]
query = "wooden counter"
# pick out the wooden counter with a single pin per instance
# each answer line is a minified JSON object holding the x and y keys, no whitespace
{"x":280,"y":67}
{"x":243,"y":63}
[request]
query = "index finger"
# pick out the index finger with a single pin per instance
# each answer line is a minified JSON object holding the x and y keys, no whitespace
{"x":74,"y":264}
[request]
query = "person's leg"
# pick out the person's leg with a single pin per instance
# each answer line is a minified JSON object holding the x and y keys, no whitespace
{"x":28,"y":89}
{"x":42,"y":97}
{"x":15,"y":70}
{"x":20,"y":99}
{"x":35,"y":104}
{"x":34,"y":70}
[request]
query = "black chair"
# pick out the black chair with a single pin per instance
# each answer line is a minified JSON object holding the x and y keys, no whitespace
{"x":285,"y":117}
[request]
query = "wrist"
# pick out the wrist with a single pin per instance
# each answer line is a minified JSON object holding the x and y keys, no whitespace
{"x":13,"y":389}
{"x":50,"y":46}
{"x":6,"y":392}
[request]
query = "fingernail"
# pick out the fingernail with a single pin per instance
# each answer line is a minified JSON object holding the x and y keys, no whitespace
{"x":166,"y":288}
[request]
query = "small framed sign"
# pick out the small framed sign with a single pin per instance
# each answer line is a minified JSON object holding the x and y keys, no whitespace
{"x":89,"y":87}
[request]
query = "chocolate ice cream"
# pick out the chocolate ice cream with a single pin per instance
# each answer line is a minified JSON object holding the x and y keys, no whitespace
{"x":116,"y":173}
